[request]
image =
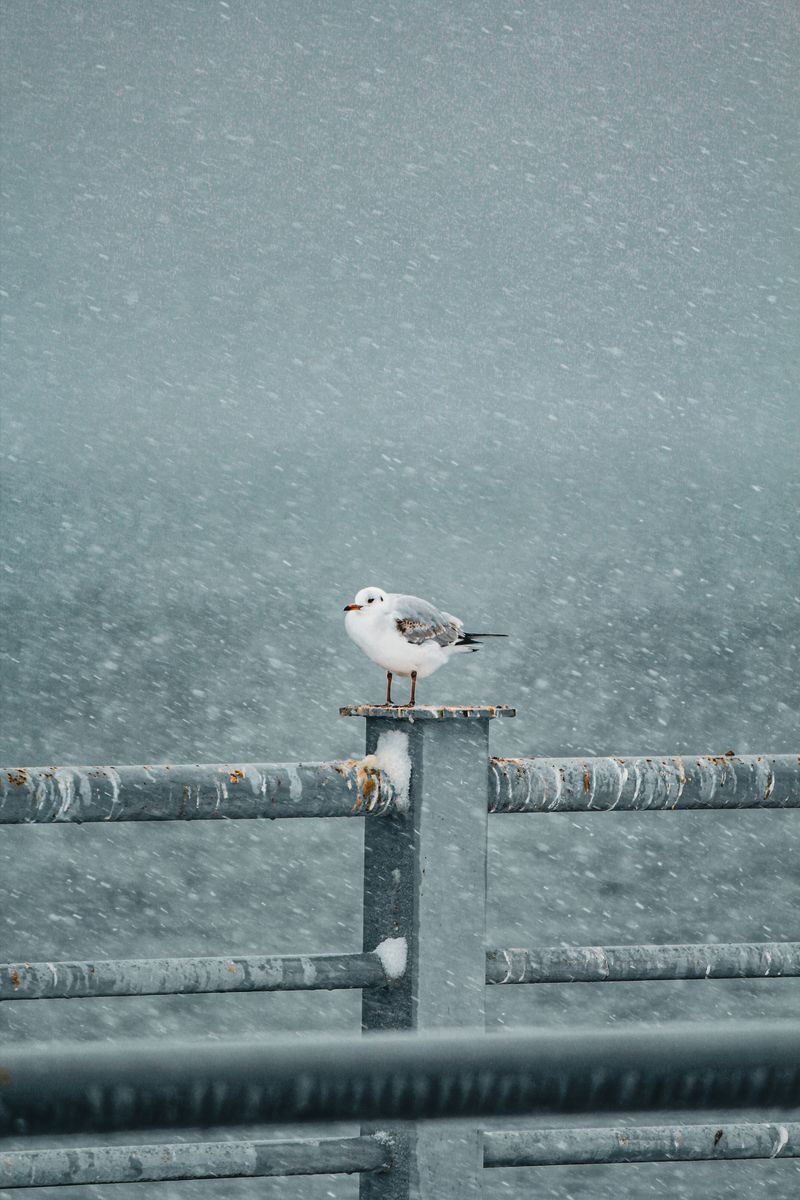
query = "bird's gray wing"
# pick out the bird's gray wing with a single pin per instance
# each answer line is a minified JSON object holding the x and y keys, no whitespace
{"x":418,"y":621}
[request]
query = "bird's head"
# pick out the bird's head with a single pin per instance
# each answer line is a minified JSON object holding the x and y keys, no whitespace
{"x":368,"y":599}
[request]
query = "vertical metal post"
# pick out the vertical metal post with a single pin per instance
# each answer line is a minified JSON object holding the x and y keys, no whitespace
{"x":425,"y":881}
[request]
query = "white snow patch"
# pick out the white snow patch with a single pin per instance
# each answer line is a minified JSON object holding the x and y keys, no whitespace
{"x":309,"y":971}
{"x":65,"y":784}
{"x":384,"y":1137}
{"x":392,"y":759}
{"x":115,"y":781}
{"x":783,"y":1138}
{"x":393,"y":953}
{"x":295,"y":783}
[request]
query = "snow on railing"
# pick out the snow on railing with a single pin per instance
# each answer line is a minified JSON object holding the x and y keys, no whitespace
{"x":426,"y":786}
{"x":386,"y":964}
{"x":379,"y":783}
{"x":644,"y":784}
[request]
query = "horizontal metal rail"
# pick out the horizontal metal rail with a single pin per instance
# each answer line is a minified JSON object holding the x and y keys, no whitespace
{"x":377,"y":1077}
{"x":328,"y":972}
{"x":235,"y":791}
{"x":520,"y":785}
{"x":353,"y":787}
{"x":628,"y":1144}
{"x":316,"y":1156}
{"x":189,"y":976}
{"x":622,"y":964}
{"x":192,"y":1160}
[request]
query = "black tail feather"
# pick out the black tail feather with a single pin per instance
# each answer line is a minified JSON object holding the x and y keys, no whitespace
{"x":467,"y":639}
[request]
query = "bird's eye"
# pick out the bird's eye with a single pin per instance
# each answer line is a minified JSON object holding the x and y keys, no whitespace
{"x":370,"y":600}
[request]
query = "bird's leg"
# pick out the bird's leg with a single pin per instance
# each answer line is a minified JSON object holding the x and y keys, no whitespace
{"x":413,"y":700}
{"x":388,"y":688}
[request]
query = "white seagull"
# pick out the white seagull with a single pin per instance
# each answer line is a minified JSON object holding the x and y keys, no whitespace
{"x":406,"y":635}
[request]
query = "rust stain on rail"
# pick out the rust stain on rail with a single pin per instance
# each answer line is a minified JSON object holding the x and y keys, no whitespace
{"x":368,"y":783}
{"x":370,"y":790}
{"x":770,"y":784}
{"x":681,"y":771}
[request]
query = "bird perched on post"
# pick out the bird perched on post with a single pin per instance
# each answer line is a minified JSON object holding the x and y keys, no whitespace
{"x":405,"y":635}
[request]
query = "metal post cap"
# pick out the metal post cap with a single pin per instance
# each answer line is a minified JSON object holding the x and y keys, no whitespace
{"x":429,"y":712}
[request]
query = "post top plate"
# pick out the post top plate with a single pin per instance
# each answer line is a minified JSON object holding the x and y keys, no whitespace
{"x":429,"y":712}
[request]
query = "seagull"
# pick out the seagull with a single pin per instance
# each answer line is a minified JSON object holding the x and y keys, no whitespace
{"x":406,"y":635}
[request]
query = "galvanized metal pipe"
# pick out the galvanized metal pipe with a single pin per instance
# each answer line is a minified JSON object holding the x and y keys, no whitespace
{"x":232,"y":791}
{"x":327,"y":972}
{"x":192,"y":1160}
{"x":628,"y":1144}
{"x":600,"y":964}
{"x":144,"y":1084}
{"x":519,"y":785}
{"x":312,"y":1156}
{"x":352,"y":787}
{"x":189,"y":976}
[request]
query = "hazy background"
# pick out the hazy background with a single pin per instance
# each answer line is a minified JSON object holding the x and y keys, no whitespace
{"x":492,"y":303}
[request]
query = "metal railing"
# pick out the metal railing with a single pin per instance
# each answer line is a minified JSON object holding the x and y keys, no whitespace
{"x":334,"y":972}
{"x":164,"y":1161}
{"x":426,"y":786}
{"x":352,"y":787}
{"x":392,"y":1077}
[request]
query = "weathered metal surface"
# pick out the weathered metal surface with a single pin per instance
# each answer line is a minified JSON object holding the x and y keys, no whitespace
{"x":518,"y":785}
{"x":599,"y":964}
{"x":310,"y":1156}
{"x":191,"y":1160}
{"x":31,"y":795}
{"x":328,"y":972}
{"x":425,"y":880}
{"x":629,"y":1143}
{"x":186,"y":976}
{"x":146,"y":1084}
{"x":428,"y":712}
{"x":192,"y":792}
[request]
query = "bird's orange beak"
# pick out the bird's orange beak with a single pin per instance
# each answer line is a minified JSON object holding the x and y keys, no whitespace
{"x":353,"y":607}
